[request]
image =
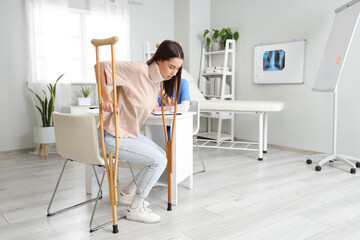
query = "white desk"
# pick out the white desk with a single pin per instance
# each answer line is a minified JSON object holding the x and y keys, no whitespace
{"x":182,"y":149}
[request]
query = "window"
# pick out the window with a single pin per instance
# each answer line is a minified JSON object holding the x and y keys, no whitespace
{"x":60,"y":34}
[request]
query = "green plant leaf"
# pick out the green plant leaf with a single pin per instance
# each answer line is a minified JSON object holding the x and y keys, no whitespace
{"x":206,"y":31}
{"x":50,"y":111}
{"x":45,"y":108}
{"x":229,"y":31}
{"x":223,"y":31}
{"x":208,"y":42}
{"x":37,"y":96}
{"x":236,"y":36}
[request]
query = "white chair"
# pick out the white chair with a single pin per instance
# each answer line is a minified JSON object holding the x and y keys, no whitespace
{"x":195,"y":107}
{"x":77,"y":140}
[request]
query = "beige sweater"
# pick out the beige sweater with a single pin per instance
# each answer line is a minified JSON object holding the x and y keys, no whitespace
{"x":137,"y":91}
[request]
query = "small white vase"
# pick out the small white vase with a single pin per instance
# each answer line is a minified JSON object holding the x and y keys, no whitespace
{"x":44,"y":135}
{"x":84,"y":101}
{"x":216,"y":46}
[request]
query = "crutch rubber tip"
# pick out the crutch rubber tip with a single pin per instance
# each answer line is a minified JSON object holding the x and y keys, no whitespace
{"x":115,"y":229}
{"x":169,"y":207}
{"x":260,"y":159}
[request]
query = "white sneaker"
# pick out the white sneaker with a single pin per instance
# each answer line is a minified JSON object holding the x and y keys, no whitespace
{"x":142,"y":214}
{"x":127,"y":198}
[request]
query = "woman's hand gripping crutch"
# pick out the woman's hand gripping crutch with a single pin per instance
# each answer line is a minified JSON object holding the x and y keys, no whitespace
{"x":111,"y":164}
{"x":169,"y":144}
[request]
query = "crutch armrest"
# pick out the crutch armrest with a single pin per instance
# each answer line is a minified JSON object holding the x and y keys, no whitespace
{"x":107,"y":41}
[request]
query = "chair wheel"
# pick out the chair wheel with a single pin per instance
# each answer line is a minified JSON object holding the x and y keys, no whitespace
{"x":318,"y":168}
{"x":357,"y":164}
{"x":352,"y":170}
{"x":308,"y":161}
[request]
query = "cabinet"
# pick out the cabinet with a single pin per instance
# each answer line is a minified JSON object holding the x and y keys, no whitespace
{"x":217,"y":82}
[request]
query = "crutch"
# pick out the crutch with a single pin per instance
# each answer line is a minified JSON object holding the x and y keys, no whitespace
{"x":169,"y":144}
{"x":111,"y":164}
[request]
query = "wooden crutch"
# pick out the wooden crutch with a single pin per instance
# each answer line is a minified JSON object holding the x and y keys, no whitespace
{"x":169,"y":144}
{"x":111,"y":164}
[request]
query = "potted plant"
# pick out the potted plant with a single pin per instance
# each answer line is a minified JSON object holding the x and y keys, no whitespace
{"x":45,"y":134}
{"x":84,"y":99}
{"x":217,"y":39}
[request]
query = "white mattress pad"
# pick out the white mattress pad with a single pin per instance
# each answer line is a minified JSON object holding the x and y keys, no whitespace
{"x":241,"y":106}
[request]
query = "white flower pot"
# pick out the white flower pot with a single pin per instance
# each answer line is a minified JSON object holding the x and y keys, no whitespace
{"x":216,"y":46}
{"x":44,"y":135}
{"x":84,"y":101}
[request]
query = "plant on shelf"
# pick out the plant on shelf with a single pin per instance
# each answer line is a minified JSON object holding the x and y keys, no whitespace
{"x":84,"y":98}
{"x":219,"y":37}
{"x":46,"y":108}
{"x":85,"y":91}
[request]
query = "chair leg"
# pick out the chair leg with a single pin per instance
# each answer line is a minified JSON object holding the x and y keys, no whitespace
{"x":202,"y":161}
{"x":93,"y":229}
{"x":132,"y":173}
{"x":75,"y":205}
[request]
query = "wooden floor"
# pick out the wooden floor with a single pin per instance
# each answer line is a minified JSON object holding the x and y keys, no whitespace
{"x":237,"y":198}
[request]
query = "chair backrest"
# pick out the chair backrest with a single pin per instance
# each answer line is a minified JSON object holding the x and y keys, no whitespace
{"x":195,"y":107}
{"x":76,"y":137}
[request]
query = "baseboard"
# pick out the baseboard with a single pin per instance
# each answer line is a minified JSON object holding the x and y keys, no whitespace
{"x":280,"y":147}
{"x":24,"y":150}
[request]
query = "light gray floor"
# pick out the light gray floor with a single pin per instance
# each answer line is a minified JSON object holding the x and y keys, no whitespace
{"x":237,"y":198}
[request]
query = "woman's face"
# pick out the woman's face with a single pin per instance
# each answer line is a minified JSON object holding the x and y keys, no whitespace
{"x":169,"y":68}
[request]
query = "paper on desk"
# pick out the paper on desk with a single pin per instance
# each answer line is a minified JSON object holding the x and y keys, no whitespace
{"x":166,"y":113}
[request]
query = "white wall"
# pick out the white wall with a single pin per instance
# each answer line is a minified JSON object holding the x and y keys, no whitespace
{"x":191,"y":18}
{"x":17,"y":113}
{"x":306,"y":122}
{"x":152,"y":21}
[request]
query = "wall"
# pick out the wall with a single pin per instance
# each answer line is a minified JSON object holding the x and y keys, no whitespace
{"x":152,"y":21}
{"x":17,"y":113}
{"x":189,"y":27}
{"x":306,"y":122}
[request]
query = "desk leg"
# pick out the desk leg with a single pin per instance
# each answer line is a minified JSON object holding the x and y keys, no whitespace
{"x":265,"y":132}
{"x":261,"y":135}
{"x":174,"y":189}
{"x":88,"y":179}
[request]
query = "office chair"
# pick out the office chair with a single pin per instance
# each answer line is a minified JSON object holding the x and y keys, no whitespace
{"x":195,"y":107}
{"x":77,"y":140}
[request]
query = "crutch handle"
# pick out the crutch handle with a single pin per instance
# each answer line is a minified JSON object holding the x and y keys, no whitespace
{"x":107,"y":41}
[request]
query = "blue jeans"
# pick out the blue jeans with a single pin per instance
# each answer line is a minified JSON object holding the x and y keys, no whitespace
{"x":140,"y":150}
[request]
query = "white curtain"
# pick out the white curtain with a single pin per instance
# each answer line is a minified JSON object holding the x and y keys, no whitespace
{"x":59,"y":36}
{"x":60,"y":33}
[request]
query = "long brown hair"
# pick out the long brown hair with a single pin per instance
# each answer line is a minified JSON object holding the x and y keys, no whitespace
{"x":166,"y":50}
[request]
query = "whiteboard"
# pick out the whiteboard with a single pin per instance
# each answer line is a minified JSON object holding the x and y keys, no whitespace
{"x":279,"y":63}
{"x":337,"y":46}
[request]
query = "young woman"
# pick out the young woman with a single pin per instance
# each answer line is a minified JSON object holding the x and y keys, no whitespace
{"x":137,"y":90}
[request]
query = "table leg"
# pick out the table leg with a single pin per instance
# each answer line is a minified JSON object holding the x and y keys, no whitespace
{"x":265,"y":132}
{"x":261,"y":136}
